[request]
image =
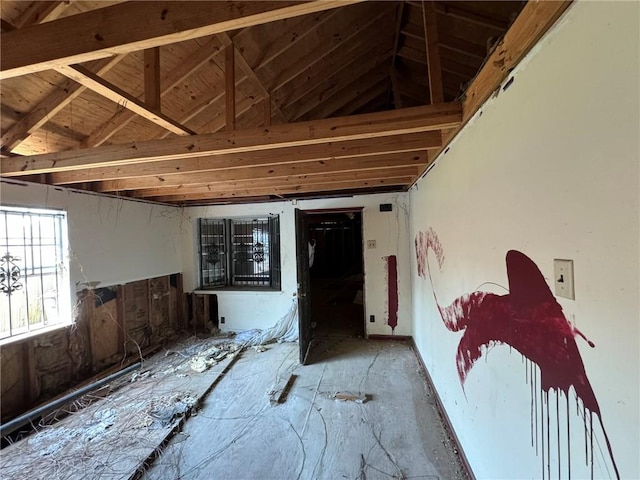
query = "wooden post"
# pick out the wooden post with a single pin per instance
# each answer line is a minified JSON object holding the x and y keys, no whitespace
{"x":230,"y":88}
{"x":433,"y":52}
{"x":152,"y":78}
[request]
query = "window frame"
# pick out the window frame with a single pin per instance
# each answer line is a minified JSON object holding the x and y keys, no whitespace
{"x":231,"y":272}
{"x":23,"y":254}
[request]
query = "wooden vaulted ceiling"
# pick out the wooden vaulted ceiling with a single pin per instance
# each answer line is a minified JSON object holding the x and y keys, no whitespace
{"x":210,"y":102}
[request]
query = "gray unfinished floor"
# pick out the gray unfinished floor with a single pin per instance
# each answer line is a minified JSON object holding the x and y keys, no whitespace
{"x":239,"y":434}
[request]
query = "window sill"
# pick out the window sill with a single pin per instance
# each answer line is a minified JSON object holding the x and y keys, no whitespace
{"x":213,"y":291}
{"x":30,"y":335}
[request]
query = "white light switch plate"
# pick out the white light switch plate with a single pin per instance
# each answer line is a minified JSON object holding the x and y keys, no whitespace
{"x":563,"y":278}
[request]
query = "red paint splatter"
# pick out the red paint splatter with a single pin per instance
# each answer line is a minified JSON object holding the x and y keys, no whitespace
{"x":528,"y":319}
{"x":392,"y":291}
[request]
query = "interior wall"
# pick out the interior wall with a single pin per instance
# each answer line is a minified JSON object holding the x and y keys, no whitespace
{"x":549,"y":167}
{"x":261,"y":309}
{"x":111,"y":241}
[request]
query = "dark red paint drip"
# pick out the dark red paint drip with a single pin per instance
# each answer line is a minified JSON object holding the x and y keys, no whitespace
{"x":392,"y":291}
{"x":528,"y":319}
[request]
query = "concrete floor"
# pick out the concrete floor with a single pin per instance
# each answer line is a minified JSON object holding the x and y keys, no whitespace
{"x":239,"y":434}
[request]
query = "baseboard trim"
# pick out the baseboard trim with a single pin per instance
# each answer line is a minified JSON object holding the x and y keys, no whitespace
{"x":443,"y":412}
{"x":397,"y":338}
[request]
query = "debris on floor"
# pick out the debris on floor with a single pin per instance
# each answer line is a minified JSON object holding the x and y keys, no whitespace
{"x":347,"y":397}
{"x":278,"y":394}
{"x":140,"y":412}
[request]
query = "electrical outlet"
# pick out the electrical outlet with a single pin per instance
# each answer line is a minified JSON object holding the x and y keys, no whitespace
{"x":372,"y":318}
{"x":221,"y":319}
{"x":563,"y":278}
{"x":371,"y":244}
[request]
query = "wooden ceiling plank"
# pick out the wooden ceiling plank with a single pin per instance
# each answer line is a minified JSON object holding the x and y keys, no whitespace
{"x":373,"y":125}
{"x":367,"y":93}
{"x":327,"y":187}
{"x":134,"y":26}
{"x":412,"y":54}
{"x":434,"y":69}
{"x":329,"y":39}
{"x":293,"y":180}
{"x":345,"y":64}
{"x":317,"y":167}
{"x":93,"y":82}
{"x":152,"y":78}
{"x":535,"y":19}
{"x":170,"y":79}
{"x":354,"y":148}
{"x":51,"y":105}
{"x":461,"y":13}
{"x":462,"y":46}
{"x":372,"y":62}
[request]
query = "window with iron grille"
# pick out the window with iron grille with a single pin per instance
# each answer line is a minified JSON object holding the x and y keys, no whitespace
{"x":236,"y":252}
{"x":34,"y":280}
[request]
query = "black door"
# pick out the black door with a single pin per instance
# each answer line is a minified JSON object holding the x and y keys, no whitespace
{"x":304,"y":285}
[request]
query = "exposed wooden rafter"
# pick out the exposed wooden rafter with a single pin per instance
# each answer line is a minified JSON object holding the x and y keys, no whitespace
{"x":134,"y":26}
{"x":289,"y":190}
{"x":230,"y":88}
{"x":299,"y":154}
{"x":374,"y":125}
{"x":152,"y":89}
{"x":256,"y":174}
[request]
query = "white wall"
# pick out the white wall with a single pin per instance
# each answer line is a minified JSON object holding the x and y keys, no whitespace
{"x":244,"y":310}
{"x":111,"y":241}
{"x":550,"y":168}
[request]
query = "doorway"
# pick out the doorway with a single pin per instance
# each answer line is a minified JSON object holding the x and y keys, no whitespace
{"x":336,"y":273}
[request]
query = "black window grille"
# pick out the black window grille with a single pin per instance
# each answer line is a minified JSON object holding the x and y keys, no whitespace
{"x":240,"y":252}
{"x":34,"y":284}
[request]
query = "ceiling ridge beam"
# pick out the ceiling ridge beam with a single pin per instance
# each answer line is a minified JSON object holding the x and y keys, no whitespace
{"x":102,"y":87}
{"x":351,"y":149}
{"x":372,"y":125}
{"x":133,"y":26}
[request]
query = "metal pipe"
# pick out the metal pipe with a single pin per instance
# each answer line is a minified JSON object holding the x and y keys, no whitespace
{"x":13,"y":425}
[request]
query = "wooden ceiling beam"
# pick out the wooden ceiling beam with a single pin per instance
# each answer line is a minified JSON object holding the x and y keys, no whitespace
{"x":133,"y":26}
{"x":354,"y":148}
{"x":434,"y":68}
{"x":100,"y":86}
{"x":188,"y":67}
{"x":282,"y":182}
{"x":230,"y":88}
{"x":314,"y":167}
{"x":314,"y":188}
{"x":373,"y":125}
{"x":152,"y":91}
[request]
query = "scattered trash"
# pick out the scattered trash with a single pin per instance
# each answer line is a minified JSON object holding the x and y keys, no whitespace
{"x":165,"y":411}
{"x":346,"y":397}
{"x":260,"y":348}
{"x":140,"y":375}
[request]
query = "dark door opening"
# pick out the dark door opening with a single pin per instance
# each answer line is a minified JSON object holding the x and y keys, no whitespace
{"x":337,"y":274}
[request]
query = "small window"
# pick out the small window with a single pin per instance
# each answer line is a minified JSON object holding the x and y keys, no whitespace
{"x":240,"y":253}
{"x":34,"y":280}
